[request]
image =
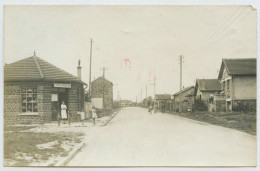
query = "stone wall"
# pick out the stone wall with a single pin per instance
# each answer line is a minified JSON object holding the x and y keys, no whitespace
{"x":13,"y":102}
{"x":75,"y":100}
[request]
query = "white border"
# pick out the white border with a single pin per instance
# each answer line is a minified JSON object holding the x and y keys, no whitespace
{"x":254,"y":3}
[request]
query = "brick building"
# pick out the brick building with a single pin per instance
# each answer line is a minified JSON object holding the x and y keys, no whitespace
{"x":99,"y":87}
{"x":238,"y":84}
{"x":34,"y":90}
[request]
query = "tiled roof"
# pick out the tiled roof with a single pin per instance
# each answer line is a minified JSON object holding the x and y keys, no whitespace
{"x":190,"y":94}
{"x":208,"y":84}
{"x":243,"y":66}
{"x":162,"y":97}
{"x":100,"y":78}
{"x":185,"y":89}
{"x":34,"y":68}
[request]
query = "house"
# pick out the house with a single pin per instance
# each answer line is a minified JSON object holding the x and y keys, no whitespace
{"x":101,"y":88}
{"x":181,"y":103}
{"x":204,"y":92}
{"x":163,"y":99}
{"x":238,"y":84}
{"x":34,"y":90}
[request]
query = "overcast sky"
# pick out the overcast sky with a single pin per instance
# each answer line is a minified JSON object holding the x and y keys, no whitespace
{"x":135,"y":43}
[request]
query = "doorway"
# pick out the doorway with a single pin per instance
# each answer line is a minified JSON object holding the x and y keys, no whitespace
{"x":57,"y":99}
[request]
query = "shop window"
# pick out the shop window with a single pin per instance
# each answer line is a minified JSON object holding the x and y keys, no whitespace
{"x":29,"y":100}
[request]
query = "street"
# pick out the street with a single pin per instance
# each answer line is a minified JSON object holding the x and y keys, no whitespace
{"x":136,"y":138}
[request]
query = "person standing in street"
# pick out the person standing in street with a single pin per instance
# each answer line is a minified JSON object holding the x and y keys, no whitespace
{"x":94,"y":114}
{"x":63,"y":108}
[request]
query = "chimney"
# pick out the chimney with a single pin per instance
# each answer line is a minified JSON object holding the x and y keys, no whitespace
{"x":79,"y":70}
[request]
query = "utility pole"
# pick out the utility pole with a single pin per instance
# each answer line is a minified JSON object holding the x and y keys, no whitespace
{"x":154,"y":84}
{"x":103,"y":87}
{"x":146,"y":92}
{"x":181,"y":61}
{"x":90,"y":60}
{"x":141,"y":94}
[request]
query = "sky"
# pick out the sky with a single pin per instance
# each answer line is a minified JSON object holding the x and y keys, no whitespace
{"x":134,"y":43}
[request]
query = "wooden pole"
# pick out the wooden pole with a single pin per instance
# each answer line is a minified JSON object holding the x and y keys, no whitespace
{"x":90,"y":61}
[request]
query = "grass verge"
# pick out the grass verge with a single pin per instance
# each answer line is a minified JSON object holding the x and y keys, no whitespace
{"x":20,"y":148}
{"x":236,"y":120}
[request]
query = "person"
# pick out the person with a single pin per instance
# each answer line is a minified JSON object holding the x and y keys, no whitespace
{"x":94,"y":114}
{"x":63,"y":112}
{"x":150,"y":108}
{"x":155,"y":108}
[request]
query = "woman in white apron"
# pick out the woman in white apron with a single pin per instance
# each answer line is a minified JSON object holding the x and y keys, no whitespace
{"x":63,"y":108}
{"x":94,"y":114}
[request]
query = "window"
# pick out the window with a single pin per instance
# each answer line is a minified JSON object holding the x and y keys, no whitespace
{"x":228,"y":82}
{"x":29,"y":100}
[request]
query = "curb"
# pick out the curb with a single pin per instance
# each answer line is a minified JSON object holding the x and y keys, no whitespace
{"x":110,"y":119}
{"x":71,"y":155}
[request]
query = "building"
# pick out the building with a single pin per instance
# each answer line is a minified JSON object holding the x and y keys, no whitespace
{"x":163,"y":100}
{"x":100,"y":88}
{"x":238,"y":84}
{"x":181,"y":99}
{"x":34,"y":90}
{"x":205,"y":90}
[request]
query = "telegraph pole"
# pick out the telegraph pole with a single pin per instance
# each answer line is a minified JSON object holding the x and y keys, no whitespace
{"x":154,"y":85}
{"x":90,"y":60}
{"x":146,"y":92}
{"x":103,"y":87}
{"x":181,"y":58}
{"x":141,"y":95}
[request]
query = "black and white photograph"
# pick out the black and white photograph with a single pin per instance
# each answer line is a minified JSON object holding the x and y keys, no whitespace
{"x":129,"y":86}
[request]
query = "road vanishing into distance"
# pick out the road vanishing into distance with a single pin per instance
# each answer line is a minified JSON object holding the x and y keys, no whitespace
{"x":136,"y":138}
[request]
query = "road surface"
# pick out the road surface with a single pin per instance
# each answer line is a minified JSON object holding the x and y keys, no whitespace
{"x":136,"y":138}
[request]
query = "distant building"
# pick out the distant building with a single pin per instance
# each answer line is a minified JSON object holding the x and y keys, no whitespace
{"x":99,"y":87}
{"x":34,"y":90}
{"x":163,"y":100}
{"x":205,"y":90}
{"x":181,"y":99}
{"x":238,"y":84}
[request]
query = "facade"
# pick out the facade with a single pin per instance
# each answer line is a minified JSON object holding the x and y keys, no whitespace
{"x":102,"y":87}
{"x":34,"y":90}
{"x":163,"y":100}
{"x":238,"y":84}
{"x":181,"y":99}
{"x":205,"y":90}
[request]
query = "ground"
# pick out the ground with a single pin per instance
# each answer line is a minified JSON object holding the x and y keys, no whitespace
{"x":136,"y":138}
{"x":43,"y":144}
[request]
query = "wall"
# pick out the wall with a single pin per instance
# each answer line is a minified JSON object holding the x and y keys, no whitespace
{"x":179,"y":104}
{"x":13,"y":102}
{"x":244,"y":87}
{"x":97,"y":91}
{"x":75,"y":100}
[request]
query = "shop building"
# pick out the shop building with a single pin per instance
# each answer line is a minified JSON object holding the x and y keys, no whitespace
{"x":34,"y":90}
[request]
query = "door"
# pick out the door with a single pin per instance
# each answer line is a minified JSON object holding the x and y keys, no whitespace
{"x":55,"y":110}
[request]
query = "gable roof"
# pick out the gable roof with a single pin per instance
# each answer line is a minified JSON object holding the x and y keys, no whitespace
{"x":101,"y":78}
{"x":34,"y":68}
{"x":185,"y":89}
{"x":207,"y":85}
{"x":162,"y":97}
{"x":243,"y":66}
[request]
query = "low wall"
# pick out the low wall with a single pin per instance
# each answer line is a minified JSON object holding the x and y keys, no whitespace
{"x":244,"y":105}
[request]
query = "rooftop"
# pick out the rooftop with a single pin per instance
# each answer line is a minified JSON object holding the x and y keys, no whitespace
{"x":208,"y":85}
{"x":242,"y":66}
{"x":185,"y":89}
{"x":36,"y":69}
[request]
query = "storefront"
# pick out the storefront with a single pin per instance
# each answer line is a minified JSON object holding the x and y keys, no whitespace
{"x":28,"y":98}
